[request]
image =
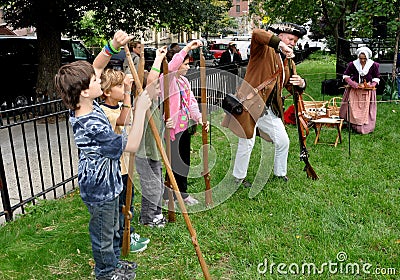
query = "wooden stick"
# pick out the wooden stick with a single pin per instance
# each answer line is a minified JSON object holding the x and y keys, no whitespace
{"x":170,"y":173}
{"x":126,"y":238}
{"x":204,"y":134}
{"x":126,"y":209}
{"x":171,"y":202}
{"x":141,"y":66}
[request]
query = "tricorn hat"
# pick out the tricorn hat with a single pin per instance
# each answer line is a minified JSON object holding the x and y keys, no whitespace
{"x":287,"y":27}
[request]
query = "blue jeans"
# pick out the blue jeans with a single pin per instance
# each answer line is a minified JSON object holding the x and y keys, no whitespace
{"x":122,"y":202}
{"x":103,"y":230}
{"x":150,"y":175}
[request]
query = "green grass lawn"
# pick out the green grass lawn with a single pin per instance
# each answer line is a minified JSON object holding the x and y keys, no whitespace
{"x":348,"y":218}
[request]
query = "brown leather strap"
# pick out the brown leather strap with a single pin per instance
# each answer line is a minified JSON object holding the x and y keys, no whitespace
{"x":270,"y":80}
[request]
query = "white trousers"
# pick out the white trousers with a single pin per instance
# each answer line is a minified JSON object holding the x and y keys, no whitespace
{"x":274,"y":127}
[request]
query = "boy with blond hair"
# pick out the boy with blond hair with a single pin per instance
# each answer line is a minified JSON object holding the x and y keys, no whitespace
{"x":116,"y":87}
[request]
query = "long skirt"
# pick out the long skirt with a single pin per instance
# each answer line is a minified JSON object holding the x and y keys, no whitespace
{"x":359,"y":108}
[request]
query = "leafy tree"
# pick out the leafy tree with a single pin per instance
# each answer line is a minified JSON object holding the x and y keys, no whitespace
{"x":331,"y":19}
{"x":55,"y":17}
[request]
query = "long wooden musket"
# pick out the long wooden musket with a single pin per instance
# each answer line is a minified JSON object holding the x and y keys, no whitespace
{"x":204,"y":134}
{"x":126,"y":238}
{"x":302,"y":138}
{"x":170,"y":173}
{"x":141,"y":66}
{"x":171,"y":204}
{"x":126,"y":209}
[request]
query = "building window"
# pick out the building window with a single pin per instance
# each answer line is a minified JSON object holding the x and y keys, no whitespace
{"x":237,"y":1}
{"x":237,"y":8}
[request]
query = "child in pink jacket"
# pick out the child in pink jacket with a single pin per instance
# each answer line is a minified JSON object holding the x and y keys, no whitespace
{"x":183,"y":107}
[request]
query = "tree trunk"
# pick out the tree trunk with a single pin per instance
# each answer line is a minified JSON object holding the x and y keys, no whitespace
{"x":49,"y":49}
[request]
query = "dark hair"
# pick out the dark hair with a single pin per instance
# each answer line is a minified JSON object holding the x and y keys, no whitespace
{"x":71,"y":79}
{"x":133,"y":44}
{"x":172,"y":50}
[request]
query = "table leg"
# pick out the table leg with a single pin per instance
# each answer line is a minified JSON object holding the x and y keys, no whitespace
{"x":318,"y":127}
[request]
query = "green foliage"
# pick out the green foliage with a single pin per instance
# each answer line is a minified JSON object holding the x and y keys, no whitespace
{"x":320,"y":57}
{"x":331,"y":19}
{"x":361,"y":20}
{"x":352,"y":208}
{"x":93,"y":37}
{"x":106,"y":17}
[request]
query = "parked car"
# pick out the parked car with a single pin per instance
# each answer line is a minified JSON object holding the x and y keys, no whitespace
{"x":117,"y":60}
{"x":218,"y":48}
{"x":194,"y":56}
{"x":243,"y":37}
{"x":19,"y":61}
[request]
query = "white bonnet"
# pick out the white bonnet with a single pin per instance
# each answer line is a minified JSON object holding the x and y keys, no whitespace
{"x":365,"y":51}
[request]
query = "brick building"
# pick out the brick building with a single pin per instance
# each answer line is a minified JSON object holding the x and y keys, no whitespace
{"x":240,"y":11}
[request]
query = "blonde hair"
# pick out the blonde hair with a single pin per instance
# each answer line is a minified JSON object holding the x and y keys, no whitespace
{"x":111,"y":78}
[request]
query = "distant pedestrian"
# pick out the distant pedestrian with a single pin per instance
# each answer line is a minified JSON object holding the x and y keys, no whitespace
{"x":299,"y":46}
{"x":306,"y":45}
{"x":135,"y":48}
{"x":230,"y":58}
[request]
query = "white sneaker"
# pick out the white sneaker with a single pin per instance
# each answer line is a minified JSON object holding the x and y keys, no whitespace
{"x":190,"y":201}
{"x":139,"y":239}
{"x":158,"y":222}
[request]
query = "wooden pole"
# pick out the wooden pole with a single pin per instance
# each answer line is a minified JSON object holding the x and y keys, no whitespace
{"x":170,"y":173}
{"x":171,"y":201}
{"x":126,"y":238}
{"x":204,"y":134}
{"x":126,"y":209}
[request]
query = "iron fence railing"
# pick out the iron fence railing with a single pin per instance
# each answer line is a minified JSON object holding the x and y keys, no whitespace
{"x":38,"y":159}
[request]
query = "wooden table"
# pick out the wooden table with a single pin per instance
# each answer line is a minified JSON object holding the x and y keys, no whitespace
{"x":328,"y":122}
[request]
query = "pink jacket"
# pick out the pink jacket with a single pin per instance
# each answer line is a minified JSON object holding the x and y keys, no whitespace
{"x":175,"y":96}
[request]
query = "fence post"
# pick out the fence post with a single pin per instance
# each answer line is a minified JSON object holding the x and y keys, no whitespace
{"x":4,"y":191}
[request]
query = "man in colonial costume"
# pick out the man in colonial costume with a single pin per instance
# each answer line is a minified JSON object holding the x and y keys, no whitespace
{"x":266,"y":75}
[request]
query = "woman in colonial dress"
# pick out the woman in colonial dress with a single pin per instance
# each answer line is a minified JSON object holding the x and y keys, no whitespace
{"x":359,"y":100}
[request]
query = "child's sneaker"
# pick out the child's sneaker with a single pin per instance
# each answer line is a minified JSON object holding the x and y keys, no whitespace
{"x":127,"y":265}
{"x":136,"y":237}
{"x":190,"y":201}
{"x":137,"y":247}
{"x":158,"y":222}
{"x":119,"y":274}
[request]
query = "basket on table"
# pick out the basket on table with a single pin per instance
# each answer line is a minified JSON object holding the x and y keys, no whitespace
{"x":314,"y":109}
{"x":333,"y":106}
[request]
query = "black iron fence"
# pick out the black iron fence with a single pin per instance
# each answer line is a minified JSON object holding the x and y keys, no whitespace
{"x":38,"y":159}
{"x":38,"y":156}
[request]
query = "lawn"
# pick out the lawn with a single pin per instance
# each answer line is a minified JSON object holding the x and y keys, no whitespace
{"x":348,"y":220}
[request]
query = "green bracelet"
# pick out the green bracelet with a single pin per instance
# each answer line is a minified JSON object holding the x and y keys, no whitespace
{"x":112,"y":48}
{"x":156,"y":69}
